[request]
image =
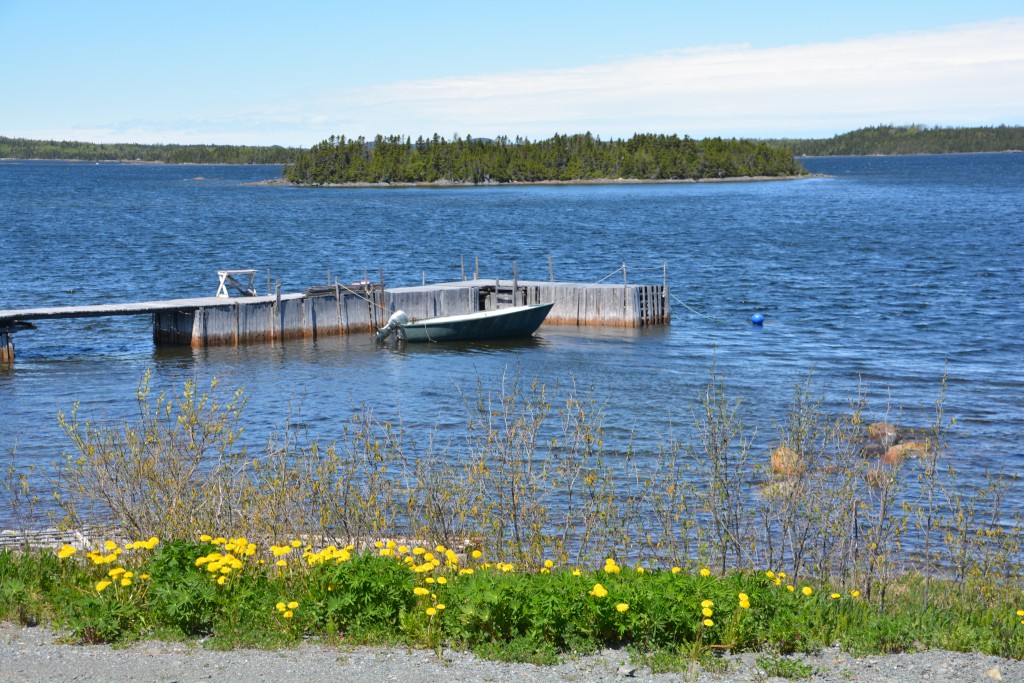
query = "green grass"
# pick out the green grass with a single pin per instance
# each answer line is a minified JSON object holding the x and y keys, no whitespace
{"x":231,"y":593}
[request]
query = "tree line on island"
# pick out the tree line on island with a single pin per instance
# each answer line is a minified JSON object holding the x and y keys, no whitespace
{"x":398,"y":159}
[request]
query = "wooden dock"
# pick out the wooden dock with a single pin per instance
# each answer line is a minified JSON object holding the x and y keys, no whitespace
{"x":338,"y":309}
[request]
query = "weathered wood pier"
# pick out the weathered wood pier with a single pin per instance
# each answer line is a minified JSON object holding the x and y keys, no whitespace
{"x":345,"y":309}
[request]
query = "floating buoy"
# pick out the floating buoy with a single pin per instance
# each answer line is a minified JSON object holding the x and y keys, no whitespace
{"x":757,"y":319}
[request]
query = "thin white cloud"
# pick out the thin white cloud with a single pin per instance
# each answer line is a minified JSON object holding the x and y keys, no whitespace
{"x":961,"y":75}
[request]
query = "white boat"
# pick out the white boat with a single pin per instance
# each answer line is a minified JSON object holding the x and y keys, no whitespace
{"x":503,"y":323}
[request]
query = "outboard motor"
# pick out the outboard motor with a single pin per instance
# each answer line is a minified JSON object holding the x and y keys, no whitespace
{"x":395,"y":322}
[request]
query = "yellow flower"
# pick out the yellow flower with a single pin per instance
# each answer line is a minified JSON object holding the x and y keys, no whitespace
{"x":144,"y":577}
{"x":391,"y":544}
{"x":744,"y":597}
{"x":378,"y":544}
{"x":708,"y":623}
{"x":296,"y":543}
{"x":292,"y":604}
{"x":440,"y":606}
{"x":281,"y":607}
{"x":705,"y":571}
{"x":66,"y":550}
{"x":790,"y":588}
{"x":1020,"y":613}
{"x":835,"y":596}
{"x":126,"y":581}
{"x":102,"y":585}
{"x":622,"y":607}
{"x":577,"y":572}
{"x":418,"y":551}
{"x":431,"y":611}
{"x":640,"y":570}
{"x":221,"y":580}
{"x":707,"y":611}
{"x":548,"y":564}
{"x":807,"y":590}
{"x":420,"y":590}
{"x":545,"y":570}
{"x":206,"y":538}
{"x":282,"y":563}
{"x":403,"y":549}
{"x":477,"y":554}
{"x":288,"y":615}
{"x":429,"y":579}
{"x":468,"y":571}
{"x":744,"y":604}
{"x":770,"y":574}
{"x":676,"y":570}
{"x":441,"y":580}
{"x":782,"y":575}
{"x":440,"y":549}
{"x":707,"y":603}
{"x":599,"y":591}
{"x":856,"y":594}
{"x":110,"y":545}
{"x":115,"y":572}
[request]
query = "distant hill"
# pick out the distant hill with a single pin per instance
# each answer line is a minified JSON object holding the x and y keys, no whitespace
{"x":20,"y":148}
{"x":914,"y":139}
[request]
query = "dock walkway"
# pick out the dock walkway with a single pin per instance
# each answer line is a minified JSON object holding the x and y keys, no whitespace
{"x":335,"y":309}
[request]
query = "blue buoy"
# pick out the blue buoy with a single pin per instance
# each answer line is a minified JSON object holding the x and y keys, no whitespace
{"x":757,"y":319}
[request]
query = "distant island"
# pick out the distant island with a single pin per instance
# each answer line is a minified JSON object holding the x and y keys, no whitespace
{"x":915,"y":139}
{"x":563,"y":158}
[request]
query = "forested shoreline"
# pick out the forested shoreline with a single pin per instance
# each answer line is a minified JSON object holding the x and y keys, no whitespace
{"x":915,"y":139}
{"x":561,"y":158}
{"x":581,"y":157}
{"x":21,"y":148}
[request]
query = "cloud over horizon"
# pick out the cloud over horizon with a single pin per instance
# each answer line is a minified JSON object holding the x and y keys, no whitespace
{"x":960,"y":75}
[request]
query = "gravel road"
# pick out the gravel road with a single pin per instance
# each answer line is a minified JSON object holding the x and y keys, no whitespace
{"x":32,"y":654}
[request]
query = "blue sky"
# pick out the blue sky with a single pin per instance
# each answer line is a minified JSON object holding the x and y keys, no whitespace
{"x":294,"y":73}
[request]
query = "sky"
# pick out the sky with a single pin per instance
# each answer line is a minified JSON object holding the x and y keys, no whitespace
{"x":294,"y":73}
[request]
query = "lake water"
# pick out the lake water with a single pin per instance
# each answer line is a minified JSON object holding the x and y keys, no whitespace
{"x":878,"y":278}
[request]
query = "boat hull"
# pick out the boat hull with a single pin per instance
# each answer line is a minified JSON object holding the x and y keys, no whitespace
{"x":505,"y":323}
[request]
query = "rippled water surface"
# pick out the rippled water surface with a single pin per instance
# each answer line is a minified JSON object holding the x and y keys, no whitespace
{"x":882,"y":276}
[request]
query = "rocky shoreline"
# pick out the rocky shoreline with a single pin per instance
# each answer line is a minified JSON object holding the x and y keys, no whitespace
{"x":281,"y":182}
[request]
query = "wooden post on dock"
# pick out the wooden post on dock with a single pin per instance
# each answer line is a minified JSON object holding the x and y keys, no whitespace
{"x":515,"y":285}
{"x":6,"y":347}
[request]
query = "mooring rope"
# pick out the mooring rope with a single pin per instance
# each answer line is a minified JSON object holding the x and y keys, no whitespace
{"x":695,"y":312}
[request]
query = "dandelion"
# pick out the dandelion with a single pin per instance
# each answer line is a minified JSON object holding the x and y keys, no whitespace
{"x":288,"y":614}
{"x":856,"y":594}
{"x":440,"y":549}
{"x":707,"y":611}
{"x":790,"y":588}
{"x":403,"y":549}
{"x":418,"y":550}
{"x":548,"y":564}
{"x":100,"y":586}
{"x":466,"y":572}
{"x":221,"y":580}
{"x":296,"y":543}
{"x":378,"y":544}
{"x":477,"y":554}
{"x":66,"y":550}
{"x":835,"y":596}
{"x":622,"y":607}
{"x":676,"y":570}
{"x":1020,"y":613}
{"x":807,"y":590}
{"x":292,"y":604}
{"x":598,"y":591}
{"x":420,"y":590}
{"x":770,"y":574}
{"x":440,"y":606}
{"x":744,"y":601}
{"x":281,"y":607}
{"x":110,"y":545}
{"x":431,"y":611}
{"x":707,"y":603}
{"x":206,"y":538}
{"x":282,"y":563}
{"x":704,"y":571}
{"x":640,"y":570}
{"x":577,"y":572}
{"x":708,"y":623}
{"x":126,"y":581}
{"x":442,"y":580}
